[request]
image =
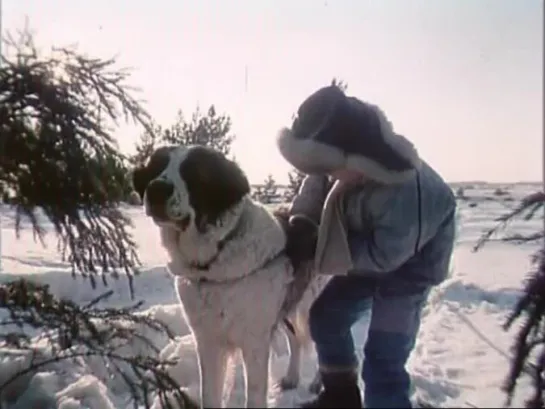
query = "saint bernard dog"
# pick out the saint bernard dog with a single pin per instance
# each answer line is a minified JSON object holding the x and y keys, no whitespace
{"x":232,"y":277}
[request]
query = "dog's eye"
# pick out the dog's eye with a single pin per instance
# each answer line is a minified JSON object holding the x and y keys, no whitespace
{"x":158,"y":161}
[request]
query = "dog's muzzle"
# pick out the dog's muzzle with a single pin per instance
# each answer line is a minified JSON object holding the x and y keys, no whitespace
{"x":158,"y":194}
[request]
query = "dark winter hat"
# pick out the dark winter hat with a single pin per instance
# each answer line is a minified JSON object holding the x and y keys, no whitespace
{"x":333,"y":132}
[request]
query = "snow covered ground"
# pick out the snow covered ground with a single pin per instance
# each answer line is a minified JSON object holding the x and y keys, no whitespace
{"x":452,"y":365}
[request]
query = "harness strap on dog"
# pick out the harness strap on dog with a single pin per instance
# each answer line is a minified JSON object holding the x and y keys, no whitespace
{"x":274,"y":257}
{"x":220,"y":246}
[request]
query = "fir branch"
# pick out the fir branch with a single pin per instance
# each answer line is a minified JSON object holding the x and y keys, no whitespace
{"x":59,"y":154}
{"x":74,"y":332}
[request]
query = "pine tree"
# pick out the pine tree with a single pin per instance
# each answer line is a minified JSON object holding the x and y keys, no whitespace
{"x":147,"y":143}
{"x":208,"y":129}
{"x":59,"y":153}
{"x":295,"y":179}
{"x":270,"y":190}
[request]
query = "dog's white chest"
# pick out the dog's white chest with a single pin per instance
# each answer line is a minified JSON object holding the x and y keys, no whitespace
{"x":205,"y":302}
{"x":229,"y":311}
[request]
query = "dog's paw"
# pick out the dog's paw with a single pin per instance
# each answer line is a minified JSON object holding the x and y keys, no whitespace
{"x":287,"y":383}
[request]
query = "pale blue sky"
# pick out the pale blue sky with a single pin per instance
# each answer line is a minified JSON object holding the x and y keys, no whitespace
{"x":461,"y":78}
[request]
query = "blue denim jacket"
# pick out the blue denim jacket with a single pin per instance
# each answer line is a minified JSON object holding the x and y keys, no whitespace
{"x":402,"y":232}
{"x":406,"y":230}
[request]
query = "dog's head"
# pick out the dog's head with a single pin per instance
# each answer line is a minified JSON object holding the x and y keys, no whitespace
{"x":182,"y":185}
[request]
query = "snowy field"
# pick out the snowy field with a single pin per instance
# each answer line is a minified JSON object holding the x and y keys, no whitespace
{"x":453,"y":365}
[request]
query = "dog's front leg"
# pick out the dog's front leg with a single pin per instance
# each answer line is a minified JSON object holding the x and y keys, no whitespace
{"x":256,"y":362}
{"x":213,"y":365}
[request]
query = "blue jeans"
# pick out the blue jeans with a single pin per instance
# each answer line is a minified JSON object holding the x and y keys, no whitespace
{"x":395,"y":320}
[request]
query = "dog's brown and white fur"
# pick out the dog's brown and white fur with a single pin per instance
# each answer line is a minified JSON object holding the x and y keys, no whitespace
{"x":231,"y":275}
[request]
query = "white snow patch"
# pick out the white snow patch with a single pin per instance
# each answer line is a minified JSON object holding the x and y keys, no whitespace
{"x":452,"y":363}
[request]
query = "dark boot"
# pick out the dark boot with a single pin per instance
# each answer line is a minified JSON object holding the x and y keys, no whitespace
{"x":340,"y":390}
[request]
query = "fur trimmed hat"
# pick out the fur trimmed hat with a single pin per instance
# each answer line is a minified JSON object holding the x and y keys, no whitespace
{"x":332,"y":131}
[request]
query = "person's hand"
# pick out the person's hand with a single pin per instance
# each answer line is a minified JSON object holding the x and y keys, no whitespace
{"x":302,"y":236}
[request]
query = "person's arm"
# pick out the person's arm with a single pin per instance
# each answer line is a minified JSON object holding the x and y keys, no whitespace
{"x":310,"y":198}
{"x":304,"y":218}
{"x":389,"y":238}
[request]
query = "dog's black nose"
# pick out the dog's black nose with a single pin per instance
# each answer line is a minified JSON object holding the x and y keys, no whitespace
{"x":158,"y":192}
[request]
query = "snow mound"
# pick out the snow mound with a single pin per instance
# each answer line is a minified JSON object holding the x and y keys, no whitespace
{"x":453,"y":363}
{"x":74,"y":378}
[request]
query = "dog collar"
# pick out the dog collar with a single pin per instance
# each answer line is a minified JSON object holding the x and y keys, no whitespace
{"x":274,"y":256}
{"x":220,"y":246}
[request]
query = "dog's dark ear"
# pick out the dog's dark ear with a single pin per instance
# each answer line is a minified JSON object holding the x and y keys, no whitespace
{"x":232,"y":180}
{"x":140,"y":181}
{"x":157,"y":162}
{"x":214,"y":183}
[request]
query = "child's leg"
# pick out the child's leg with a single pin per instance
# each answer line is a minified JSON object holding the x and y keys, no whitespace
{"x":343,"y":301}
{"x":393,"y":329}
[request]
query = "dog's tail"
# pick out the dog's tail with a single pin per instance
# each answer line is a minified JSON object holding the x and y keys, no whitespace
{"x":297,"y":321}
{"x":295,"y":325}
